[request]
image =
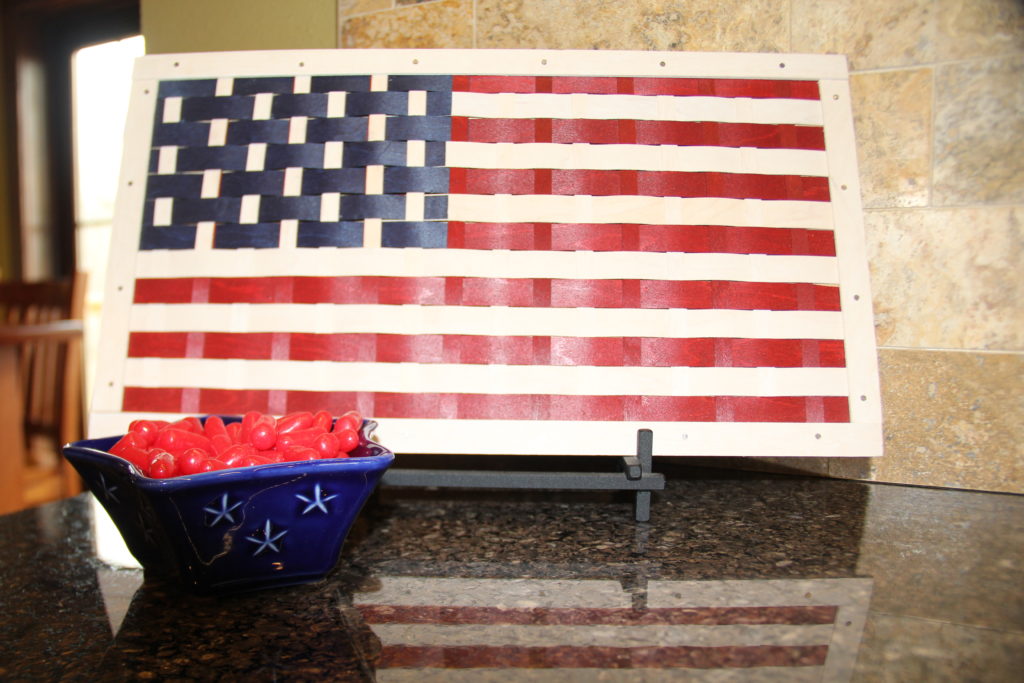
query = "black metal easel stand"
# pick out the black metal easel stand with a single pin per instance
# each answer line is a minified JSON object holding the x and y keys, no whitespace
{"x":636,"y":476}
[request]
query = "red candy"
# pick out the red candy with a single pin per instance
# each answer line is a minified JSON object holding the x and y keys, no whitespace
{"x":322,"y":420}
{"x":212,"y":464}
{"x":214,"y":428}
{"x":189,"y":424}
{"x":234,"y":455}
{"x":220,"y":443}
{"x":146,"y":430}
{"x":248,"y":420}
{"x":299,"y":437}
{"x":296,"y":453}
{"x":191,"y":461}
{"x":163,"y":465}
{"x":348,"y":439}
{"x":350,"y":420}
{"x":187,"y":446}
{"x":175,"y":440}
{"x":327,"y":445}
{"x":293,"y":421}
{"x":234,"y":430}
{"x":136,"y":456}
{"x":129,"y":440}
{"x":263,"y":434}
{"x":272,"y":455}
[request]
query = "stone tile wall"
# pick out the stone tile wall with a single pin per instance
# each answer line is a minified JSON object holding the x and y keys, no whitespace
{"x":939,"y":112}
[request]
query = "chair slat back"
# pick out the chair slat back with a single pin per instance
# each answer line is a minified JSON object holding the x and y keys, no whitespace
{"x":47,"y":368}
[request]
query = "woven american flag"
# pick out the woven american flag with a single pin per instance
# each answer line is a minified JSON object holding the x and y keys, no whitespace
{"x":489,"y":254}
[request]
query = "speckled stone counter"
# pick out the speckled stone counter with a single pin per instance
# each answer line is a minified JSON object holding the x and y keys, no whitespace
{"x":736,"y":577}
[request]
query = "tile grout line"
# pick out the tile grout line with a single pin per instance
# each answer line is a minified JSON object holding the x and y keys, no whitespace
{"x":935,"y":64}
{"x":932,"y":138}
{"x":1009,"y":352}
{"x":474,"y":20}
{"x":367,"y":13}
{"x":945,"y":622}
{"x":942,"y":207}
{"x":790,"y":45}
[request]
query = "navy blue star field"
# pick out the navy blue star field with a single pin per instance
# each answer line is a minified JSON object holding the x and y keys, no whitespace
{"x":198,"y":109}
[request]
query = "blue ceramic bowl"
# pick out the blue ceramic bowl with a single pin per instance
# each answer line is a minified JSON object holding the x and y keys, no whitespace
{"x":238,"y":529}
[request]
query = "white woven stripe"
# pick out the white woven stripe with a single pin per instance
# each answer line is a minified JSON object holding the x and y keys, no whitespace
{"x":647,"y":210}
{"x":637,"y":157}
{"x":638,"y":107}
{"x":484,"y":379}
{"x":489,"y":320}
{"x":490,"y":264}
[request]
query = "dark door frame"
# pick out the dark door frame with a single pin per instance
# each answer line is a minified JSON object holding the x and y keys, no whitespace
{"x":45,"y":34}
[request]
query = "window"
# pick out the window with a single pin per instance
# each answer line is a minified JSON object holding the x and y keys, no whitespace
{"x":101,"y":82}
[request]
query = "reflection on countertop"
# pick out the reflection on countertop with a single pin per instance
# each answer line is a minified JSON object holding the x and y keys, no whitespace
{"x":736,"y":577}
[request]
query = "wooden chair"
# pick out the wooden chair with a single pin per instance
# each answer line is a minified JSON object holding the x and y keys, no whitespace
{"x":41,"y":393}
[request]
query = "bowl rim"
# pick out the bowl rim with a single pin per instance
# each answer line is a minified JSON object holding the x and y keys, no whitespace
{"x":380,"y":459}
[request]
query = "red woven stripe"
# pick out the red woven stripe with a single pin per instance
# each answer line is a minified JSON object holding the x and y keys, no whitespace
{"x":800,"y":409}
{"x":501,"y":350}
{"x":158,"y":345}
{"x":607,"y":85}
{"x":158,"y":400}
{"x":728,"y":87}
{"x":178,"y":290}
{"x":604,"y":183}
{"x":703,"y":239}
{"x":630,"y":132}
{"x":520,"y":292}
{"x":598,"y":616}
{"x":601,"y":657}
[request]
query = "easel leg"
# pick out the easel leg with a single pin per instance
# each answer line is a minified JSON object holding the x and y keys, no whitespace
{"x":643,"y":506}
{"x":644,"y":451}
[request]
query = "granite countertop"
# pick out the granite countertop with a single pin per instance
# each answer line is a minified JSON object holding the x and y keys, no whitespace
{"x":765,"y":577}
